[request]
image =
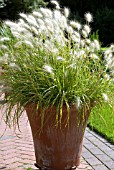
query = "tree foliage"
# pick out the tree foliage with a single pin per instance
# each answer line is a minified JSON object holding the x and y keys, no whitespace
{"x":103,"y":13}
{"x":10,"y":9}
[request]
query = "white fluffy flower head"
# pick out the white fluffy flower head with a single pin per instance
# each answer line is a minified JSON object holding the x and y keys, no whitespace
{"x":105,"y":97}
{"x":84,"y":34}
{"x":88,"y":17}
{"x":48,"y":69}
{"x":59,"y":58}
{"x":4,"y":39}
{"x":23,"y":15}
{"x":112,"y":47}
{"x":28,"y":43}
{"x":56,"y":4}
{"x":76,"y":25}
{"x":37,"y":14}
{"x":66,"y":12}
{"x":87,"y":29}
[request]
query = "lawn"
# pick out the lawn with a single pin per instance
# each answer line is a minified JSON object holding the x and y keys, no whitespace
{"x":102,"y":121}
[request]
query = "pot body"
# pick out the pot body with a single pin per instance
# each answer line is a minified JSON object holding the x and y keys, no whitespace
{"x":57,"y":147}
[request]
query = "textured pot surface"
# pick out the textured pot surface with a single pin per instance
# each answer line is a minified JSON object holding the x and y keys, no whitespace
{"x":57,"y":147}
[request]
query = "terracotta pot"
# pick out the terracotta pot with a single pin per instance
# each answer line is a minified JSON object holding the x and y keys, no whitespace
{"x":57,"y":147}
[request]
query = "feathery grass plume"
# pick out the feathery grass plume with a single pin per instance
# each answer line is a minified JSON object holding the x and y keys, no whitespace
{"x":70,"y":30}
{"x":76,"y":25}
{"x":28,"y":43}
{"x":21,"y":21}
{"x":77,"y":34}
{"x":112,"y":47}
{"x":105,"y":97}
{"x":10,"y":24}
{"x":44,"y":12}
{"x":94,"y":56}
{"x":56,"y":59}
{"x":18,"y":44}
{"x":37,"y":14}
{"x":87,"y":29}
{"x":109,"y":58}
{"x":82,"y":43}
{"x":34,"y":30}
{"x":49,"y":13}
{"x":56,"y":4}
{"x":48,"y":69}
{"x":25,"y":25}
{"x":4,"y":39}
{"x":107,"y":77}
{"x":59,"y":58}
{"x":40,"y":22}
{"x":57,"y":15}
{"x":75,"y":39}
{"x":84,"y":34}
{"x":14,"y":66}
{"x":88,"y":16}
{"x":24,"y":16}
{"x":88,"y":41}
{"x":3,"y":47}
{"x":66,"y":12}
{"x":31,"y":20}
{"x":97,"y":45}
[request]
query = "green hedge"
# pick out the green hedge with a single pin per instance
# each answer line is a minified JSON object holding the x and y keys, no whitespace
{"x":103,"y":12}
{"x":104,"y":22}
{"x":9,"y":9}
{"x":87,"y":5}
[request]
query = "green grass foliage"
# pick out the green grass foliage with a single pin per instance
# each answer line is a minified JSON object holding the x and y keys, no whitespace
{"x":102,"y":121}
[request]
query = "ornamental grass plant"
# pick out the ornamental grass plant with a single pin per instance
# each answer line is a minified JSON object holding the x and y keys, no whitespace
{"x":51,"y":61}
